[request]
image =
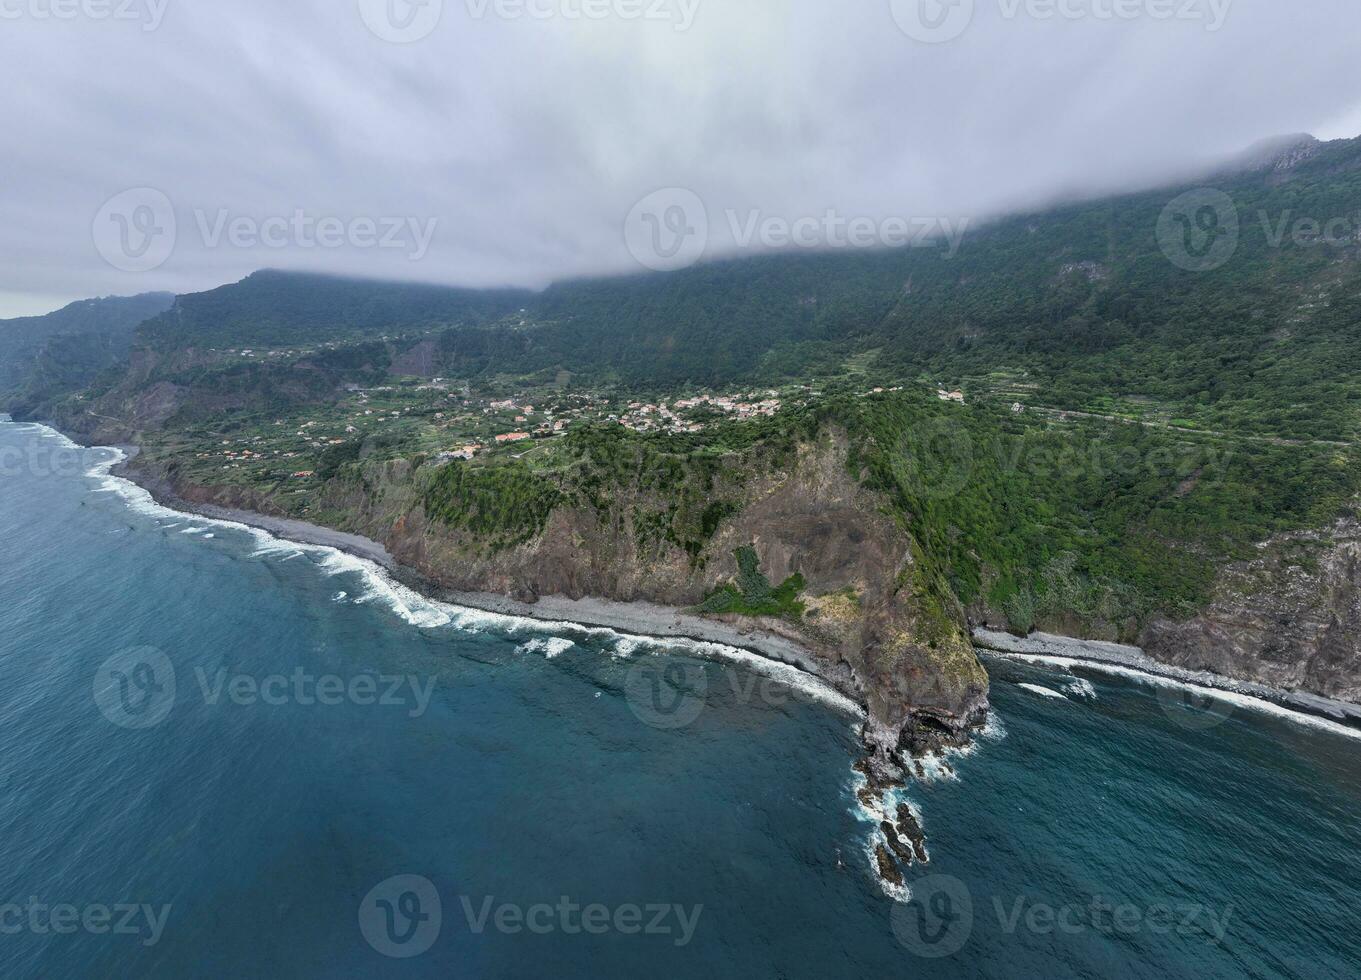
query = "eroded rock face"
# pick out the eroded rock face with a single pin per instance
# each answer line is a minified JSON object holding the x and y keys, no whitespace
{"x":1290,"y":618}
{"x":872,"y":629}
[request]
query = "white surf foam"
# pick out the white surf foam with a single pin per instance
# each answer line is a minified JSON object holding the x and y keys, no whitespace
{"x":792,"y":677}
{"x":1043,"y":692}
{"x":425,"y":613}
{"x":550,"y":646}
{"x":1155,"y":680}
{"x":1081,"y":687}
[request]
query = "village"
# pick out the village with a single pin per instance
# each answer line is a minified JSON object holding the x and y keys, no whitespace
{"x":450,"y":421}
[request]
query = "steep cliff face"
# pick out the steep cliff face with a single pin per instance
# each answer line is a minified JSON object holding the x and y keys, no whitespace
{"x":1290,"y":617}
{"x":872,"y":622}
{"x":876,"y":626}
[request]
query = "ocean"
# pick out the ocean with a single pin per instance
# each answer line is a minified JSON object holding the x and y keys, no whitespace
{"x":227,"y":755}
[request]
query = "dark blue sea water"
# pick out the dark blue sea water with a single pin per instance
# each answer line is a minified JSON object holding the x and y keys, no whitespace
{"x":226,"y":756}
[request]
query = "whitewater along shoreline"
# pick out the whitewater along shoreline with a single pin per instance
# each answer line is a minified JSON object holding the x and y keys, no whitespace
{"x":644,"y":619}
{"x":656,"y":621}
{"x":1050,"y":648}
{"x":898,"y":839}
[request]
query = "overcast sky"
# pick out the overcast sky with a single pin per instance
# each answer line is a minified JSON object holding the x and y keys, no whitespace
{"x":509,"y":143}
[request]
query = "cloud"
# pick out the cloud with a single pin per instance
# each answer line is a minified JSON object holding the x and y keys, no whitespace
{"x":528,"y":129}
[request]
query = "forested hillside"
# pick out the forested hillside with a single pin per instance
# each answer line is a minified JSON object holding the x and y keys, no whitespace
{"x":1141,"y":407}
{"x":1080,"y":306}
{"x":24,"y":342}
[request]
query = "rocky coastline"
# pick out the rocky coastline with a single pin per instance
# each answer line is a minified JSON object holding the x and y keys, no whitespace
{"x":893,"y":752}
{"x":1135,"y":659}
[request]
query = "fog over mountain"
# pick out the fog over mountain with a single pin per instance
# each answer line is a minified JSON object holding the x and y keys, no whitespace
{"x":487,"y":142}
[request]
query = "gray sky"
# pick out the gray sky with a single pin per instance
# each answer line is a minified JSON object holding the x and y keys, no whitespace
{"x":511,"y":140}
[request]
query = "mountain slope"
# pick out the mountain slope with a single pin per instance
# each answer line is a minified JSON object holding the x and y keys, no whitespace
{"x":1139,"y":425}
{"x":24,"y":342}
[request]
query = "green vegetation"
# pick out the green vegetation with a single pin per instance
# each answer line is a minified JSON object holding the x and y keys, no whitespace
{"x":505,"y":505}
{"x":1106,"y":522}
{"x":751,"y":594}
{"x":1129,"y":425}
